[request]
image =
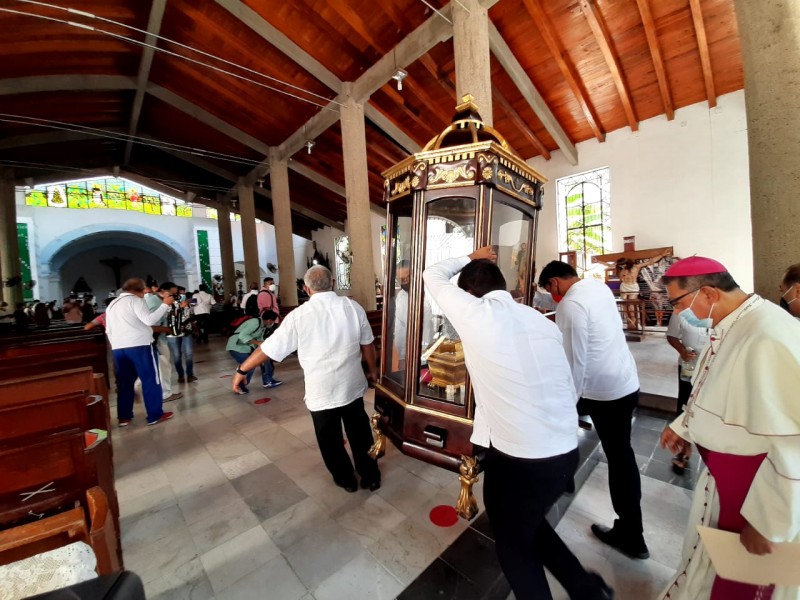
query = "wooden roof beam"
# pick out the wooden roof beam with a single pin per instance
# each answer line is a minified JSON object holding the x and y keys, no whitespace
{"x":279,"y":40}
{"x":60,"y":83}
{"x":390,"y":128}
{"x":655,"y":54}
{"x":528,"y":90}
{"x":153,"y":28}
{"x":548,"y":31}
{"x":603,"y":39}
{"x":702,"y":46}
{"x":206,"y":118}
{"x":519,"y":122}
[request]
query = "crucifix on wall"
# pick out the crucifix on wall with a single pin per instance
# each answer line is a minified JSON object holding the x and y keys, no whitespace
{"x":116,"y":264}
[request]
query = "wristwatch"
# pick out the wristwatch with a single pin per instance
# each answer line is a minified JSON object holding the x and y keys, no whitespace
{"x":240,"y":372}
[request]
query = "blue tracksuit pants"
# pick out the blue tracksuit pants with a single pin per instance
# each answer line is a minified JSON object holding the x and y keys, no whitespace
{"x":141,"y":362}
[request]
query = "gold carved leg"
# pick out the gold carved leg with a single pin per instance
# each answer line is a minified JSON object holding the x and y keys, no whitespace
{"x":379,"y":447}
{"x":467,"y":506}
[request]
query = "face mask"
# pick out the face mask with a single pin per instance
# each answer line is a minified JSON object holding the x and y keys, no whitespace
{"x":183,"y":297}
{"x":405,"y":287}
{"x":557,"y":297}
{"x":784,"y":303}
{"x":272,"y":287}
{"x":693,"y":320}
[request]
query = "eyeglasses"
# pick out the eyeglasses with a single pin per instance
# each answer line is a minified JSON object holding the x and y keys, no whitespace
{"x":674,"y":301}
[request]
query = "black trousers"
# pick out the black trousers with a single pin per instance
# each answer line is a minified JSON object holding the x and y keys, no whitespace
{"x":612,"y":421}
{"x":328,"y":427}
{"x":517,"y":494}
{"x":684,"y":391}
{"x":202,"y":327}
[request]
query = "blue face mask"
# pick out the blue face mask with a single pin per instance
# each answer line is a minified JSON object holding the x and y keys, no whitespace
{"x":695,"y":321}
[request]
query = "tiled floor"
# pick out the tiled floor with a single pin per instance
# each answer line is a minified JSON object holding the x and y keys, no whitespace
{"x":231,"y":500}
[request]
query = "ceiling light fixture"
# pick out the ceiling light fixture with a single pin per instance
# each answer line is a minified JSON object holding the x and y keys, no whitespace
{"x":310,"y":145}
{"x":398,"y":76}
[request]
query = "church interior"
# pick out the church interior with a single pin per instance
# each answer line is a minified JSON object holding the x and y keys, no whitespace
{"x":225,"y":144}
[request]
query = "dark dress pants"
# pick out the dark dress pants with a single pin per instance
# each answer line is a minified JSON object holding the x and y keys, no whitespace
{"x":328,"y":427}
{"x":612,"y":421}
{"x":517,"y":493}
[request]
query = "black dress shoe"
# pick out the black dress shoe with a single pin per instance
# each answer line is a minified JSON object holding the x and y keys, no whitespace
{"x":348,"y":487}
{"x":631,"y":549}
{"x":370,"y":485}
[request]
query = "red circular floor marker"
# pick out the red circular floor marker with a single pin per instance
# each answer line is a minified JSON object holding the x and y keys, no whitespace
{"x":444,"y":516}
{"x":262,"y":400}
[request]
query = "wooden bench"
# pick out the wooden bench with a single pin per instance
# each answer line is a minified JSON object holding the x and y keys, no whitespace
{"x":55,"y":346}
{"x":89,"y":523}
{"x":38,"y":412}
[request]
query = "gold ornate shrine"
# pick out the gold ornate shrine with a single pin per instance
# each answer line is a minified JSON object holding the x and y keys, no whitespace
{"x":464,"y":190}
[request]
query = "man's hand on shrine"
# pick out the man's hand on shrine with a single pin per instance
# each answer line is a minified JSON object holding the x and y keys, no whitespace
{"x":486,"y":252}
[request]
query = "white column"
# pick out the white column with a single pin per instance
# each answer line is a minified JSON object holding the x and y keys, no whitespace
{"x":249,"y":236}
{"x":471,"y":48}
{"x":9,"y":244}
{"x":226,"y":246}
{"x":354,"y":147}
{"x":769,"y":31}
{"x":282,"y":217}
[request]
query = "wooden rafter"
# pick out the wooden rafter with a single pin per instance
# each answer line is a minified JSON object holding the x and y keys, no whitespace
{"x":550,"y":36}
{"x":603,"y":39}
{"x":519,"y":122}
{"x":702,"y":46}
{"x":655,"y":54}
{"x":390,"y":91}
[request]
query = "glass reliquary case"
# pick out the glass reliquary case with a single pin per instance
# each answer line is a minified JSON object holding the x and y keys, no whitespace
{"x":464,"y":190}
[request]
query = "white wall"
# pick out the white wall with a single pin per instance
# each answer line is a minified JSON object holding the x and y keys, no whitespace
{"x":54,"y":227}
{"x":325,"y":238}
{"x":681,"y":183}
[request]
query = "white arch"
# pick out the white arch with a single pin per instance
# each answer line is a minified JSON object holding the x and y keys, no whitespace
{"x":53,"y":255}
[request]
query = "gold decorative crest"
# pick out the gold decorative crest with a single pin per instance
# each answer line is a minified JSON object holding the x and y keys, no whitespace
{"x":414,"y":181}
{"x":451,"y":175}
{"x":401,"y":186}
{"x":486,"y":173}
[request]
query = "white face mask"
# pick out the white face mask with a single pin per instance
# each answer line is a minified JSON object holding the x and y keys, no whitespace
{"x":272,"y":287}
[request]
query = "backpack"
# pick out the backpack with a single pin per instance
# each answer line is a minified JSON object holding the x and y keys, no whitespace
{"x":251,"y":305}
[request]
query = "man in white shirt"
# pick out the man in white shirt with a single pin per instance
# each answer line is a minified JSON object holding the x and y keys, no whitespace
{"x":129,"y":329}
{"x":608,"y":390}
{"x":166,"y":364}
{"x":525,"y":415}
{"x":331,"y":335}
{"x":202,"y":312}
{"x":252,"y":292}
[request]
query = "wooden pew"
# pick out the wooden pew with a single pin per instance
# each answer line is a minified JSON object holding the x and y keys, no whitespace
{"x":55,"y":346}
{"x":89,"y":523}
{"x":53,"y":404}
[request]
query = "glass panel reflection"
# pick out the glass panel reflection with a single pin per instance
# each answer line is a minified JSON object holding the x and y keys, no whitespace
{"x":449,"y":232}
{"x":510,"y":228}
{"x":397,"y":299}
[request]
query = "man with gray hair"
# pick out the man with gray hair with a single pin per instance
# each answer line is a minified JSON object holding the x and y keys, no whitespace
{"x":331,"y":335}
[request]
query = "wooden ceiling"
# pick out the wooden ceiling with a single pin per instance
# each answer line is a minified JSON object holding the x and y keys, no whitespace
{"x":71,"y":95}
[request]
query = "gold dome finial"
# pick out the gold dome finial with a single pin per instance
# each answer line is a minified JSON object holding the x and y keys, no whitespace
{"x":467,"y":102}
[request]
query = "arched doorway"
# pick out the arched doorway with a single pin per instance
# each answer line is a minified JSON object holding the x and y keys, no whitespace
{"x":80,"y":254}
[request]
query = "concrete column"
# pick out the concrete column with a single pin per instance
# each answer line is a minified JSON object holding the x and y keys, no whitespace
{"x":471,"y":48}
{"x":282,"y":216}
{"x":247,"y":207}
{"x":9,"y":244}
{"x":770,"y":38}
{"x":356,"y":183}
{"x":226,"y":246}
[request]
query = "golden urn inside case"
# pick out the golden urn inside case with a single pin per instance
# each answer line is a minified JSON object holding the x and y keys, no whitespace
{"x":466,"y":189}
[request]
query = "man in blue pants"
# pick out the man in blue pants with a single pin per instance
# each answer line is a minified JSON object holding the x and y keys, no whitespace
{"x":129,"y":329}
